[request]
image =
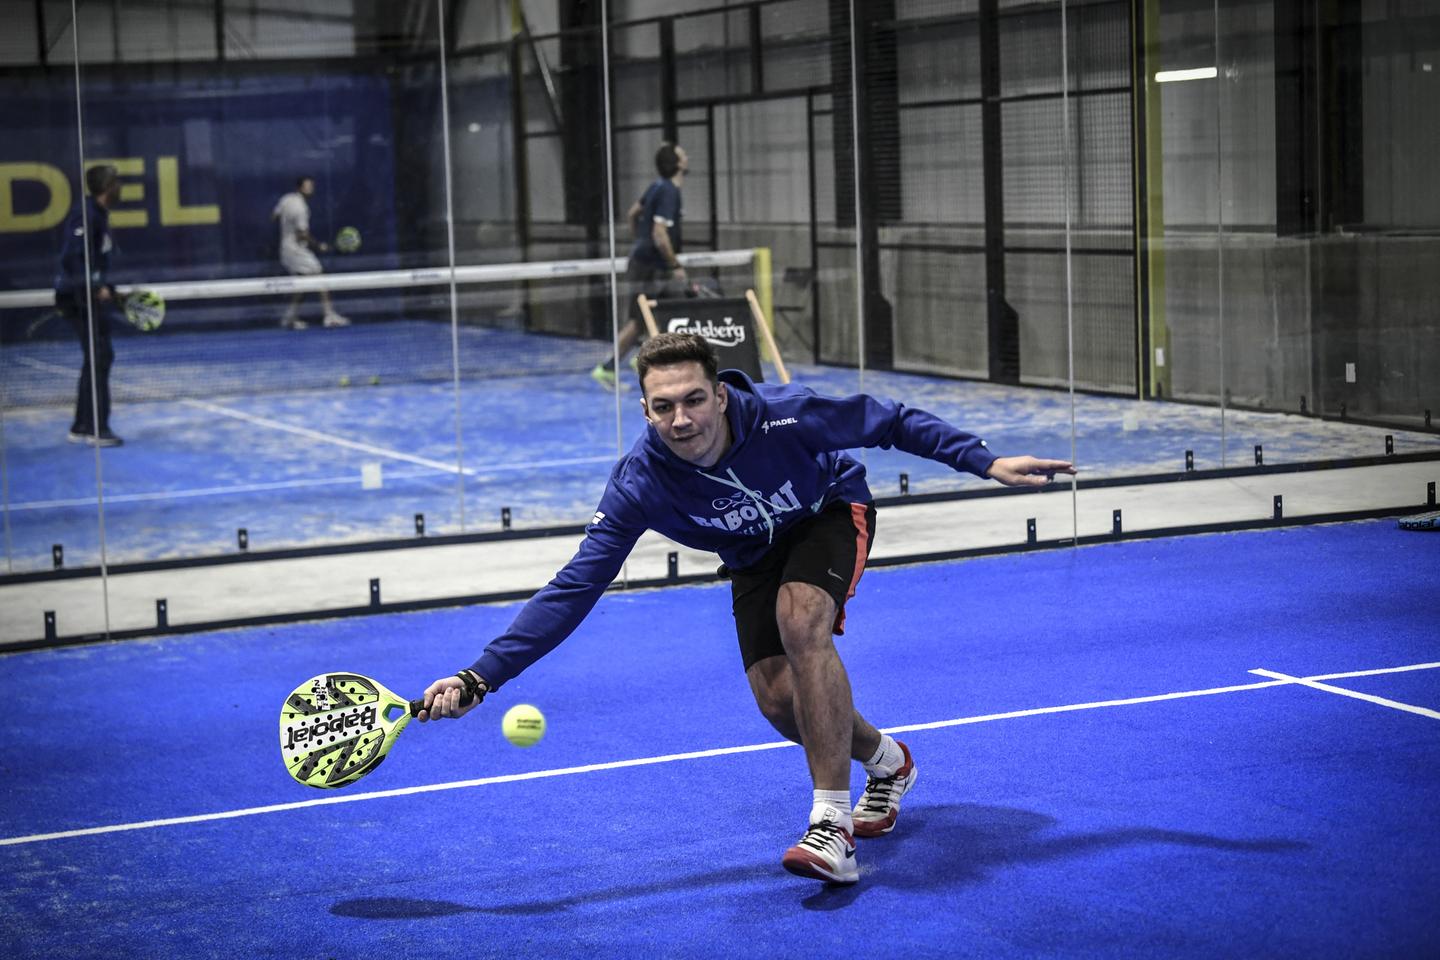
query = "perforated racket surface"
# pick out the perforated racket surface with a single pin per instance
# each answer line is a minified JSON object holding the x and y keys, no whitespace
{"x":338,"y":727}
{"x":144,"y":309}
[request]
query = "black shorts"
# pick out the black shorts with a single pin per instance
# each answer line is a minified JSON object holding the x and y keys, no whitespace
{"x":827,"y":550}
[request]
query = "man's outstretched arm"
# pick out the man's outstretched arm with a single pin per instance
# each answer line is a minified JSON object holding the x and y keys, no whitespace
{"x":1027,"y":471}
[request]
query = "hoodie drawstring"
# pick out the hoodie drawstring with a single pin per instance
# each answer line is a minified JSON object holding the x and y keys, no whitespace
{"x":734,"y":483}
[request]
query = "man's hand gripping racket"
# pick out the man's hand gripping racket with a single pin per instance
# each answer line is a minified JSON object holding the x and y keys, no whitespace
{"x":338,"y":727}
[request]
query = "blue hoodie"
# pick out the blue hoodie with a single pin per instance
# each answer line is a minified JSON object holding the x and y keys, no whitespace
{"x":70,"y":269}
{"x":787,"y":461}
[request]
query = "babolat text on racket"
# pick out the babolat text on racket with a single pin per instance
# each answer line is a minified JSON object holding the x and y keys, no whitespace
{"x":338,"y":727}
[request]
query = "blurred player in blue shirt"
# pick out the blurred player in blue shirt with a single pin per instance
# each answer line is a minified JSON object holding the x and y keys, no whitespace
{"x":89,"y":301}
{"x":654,"y":268}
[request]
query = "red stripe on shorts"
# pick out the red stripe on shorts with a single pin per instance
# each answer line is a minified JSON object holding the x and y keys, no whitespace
{"x":862,"y":550}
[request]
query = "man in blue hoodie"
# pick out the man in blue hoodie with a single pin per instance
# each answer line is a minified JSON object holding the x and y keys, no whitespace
{"x":758,"y":473}
{"x":87,"y":302}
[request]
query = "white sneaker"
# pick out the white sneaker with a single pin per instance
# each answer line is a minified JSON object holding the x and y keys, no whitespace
{"x":879,"y":805}
{"x":293,"y":323}
{"x":335,"y":320}
{"x":826,"y":852}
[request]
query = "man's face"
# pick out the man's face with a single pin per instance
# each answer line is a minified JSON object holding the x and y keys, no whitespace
{"x":682,"y":158}
{"x":307,"y":187}
{"x":688,"y":411}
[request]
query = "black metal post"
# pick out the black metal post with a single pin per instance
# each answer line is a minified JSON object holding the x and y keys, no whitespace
{"x":1296,"y":95}
{"x":219,"y":30}
{"x":867,"y":139}
{"x":522,"y":148}
{"x":757,"y":52}
{"x":669,"y":116}
{"x":1003,"y":322}
{"x":42,"y":40}
{"x":815,"y":232}
{"x":711,"y":178}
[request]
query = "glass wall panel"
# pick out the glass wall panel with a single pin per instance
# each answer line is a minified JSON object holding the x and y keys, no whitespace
{"x":1160,"y":237}
{"x":529,"y":161}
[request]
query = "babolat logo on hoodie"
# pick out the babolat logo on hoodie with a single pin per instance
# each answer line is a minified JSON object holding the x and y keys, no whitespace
{"x":727,"y":334}
{"x":736,"y":510}
{"x":336,"y":725}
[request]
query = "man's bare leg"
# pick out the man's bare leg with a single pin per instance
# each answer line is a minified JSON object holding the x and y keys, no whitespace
{"x":773,"y":685}
{"x":824,"y":710}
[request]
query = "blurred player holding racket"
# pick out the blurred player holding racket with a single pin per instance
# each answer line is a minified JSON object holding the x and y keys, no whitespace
{"x":757,"y":473}
{"x":88,"y":303}
{"x":297,"y":252}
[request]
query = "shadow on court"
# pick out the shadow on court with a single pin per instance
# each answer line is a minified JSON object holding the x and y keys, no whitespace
{"x":937,"y":847}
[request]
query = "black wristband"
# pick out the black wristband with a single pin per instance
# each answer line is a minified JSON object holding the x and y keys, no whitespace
{"x":475,"y":687}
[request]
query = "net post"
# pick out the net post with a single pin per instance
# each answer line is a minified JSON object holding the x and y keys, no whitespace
{"x":1279,"y":507}
{"x":242,"y":538}
{"x":57,"y":555}
{"x":1115,"y":527}
{"x":647,"y":311}
{"x":672,"y":565}
{"x":1030,"y":530}
{"x":374,"y":591}
{"x":757,"y":311}
{"x":1430,"y":494}
{"x":162,"y":613}
{"x":1189,"y":461}
{"x":764,"y":283}
{"x":50,"y":625}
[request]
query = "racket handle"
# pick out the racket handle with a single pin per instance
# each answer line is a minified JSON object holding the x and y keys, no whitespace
{"x":417,"y":705}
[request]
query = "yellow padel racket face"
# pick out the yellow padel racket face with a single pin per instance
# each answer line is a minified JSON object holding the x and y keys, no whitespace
{"x":337,"y":727}
{"x":145,"y":309}
{"x":347,"y":240}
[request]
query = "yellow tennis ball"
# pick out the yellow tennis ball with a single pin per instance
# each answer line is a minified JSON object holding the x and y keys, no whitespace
{"x":523,"y":725}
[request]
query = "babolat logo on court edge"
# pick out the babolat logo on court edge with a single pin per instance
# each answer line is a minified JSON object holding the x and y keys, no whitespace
{"x":727,"y":334}
{"x":335,"y":725}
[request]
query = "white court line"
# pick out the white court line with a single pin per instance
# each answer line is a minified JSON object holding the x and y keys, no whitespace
{"x":277,"y":425}
{"x":196,"y":492}
{"x":309,"y":434}
{"x":287,"y":485}
{"x":675,"y":757}
{"x":1315,"y":684}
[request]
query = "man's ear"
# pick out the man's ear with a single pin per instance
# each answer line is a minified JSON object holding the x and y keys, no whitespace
{"x":645,"y":408}
{"x":722,"y":395}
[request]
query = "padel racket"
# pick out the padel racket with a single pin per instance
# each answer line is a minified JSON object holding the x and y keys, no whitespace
{"x":144,"y":309}
{"x":347,"y":240}
{"x":1421,"y":521}
{"x":338,"y":727}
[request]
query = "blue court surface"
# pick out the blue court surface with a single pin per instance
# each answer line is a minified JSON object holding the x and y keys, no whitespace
{"x":1101,"y":773}
{"x":252,"y":429}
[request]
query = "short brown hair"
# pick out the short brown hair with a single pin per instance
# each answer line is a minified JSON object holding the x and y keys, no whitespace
{"x":100,"y":178}
{"x":665,"y":349}
{"x":667,"y":161}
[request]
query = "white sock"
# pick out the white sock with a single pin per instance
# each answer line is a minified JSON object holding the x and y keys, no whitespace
{"x":887,"y":759}
{"x":832,"y":805}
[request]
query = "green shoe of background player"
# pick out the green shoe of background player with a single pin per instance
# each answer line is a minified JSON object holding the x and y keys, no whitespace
{"x":603,"y":376}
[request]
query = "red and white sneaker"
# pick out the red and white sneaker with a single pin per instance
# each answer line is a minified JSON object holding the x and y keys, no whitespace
{"x":879,"y":805}
{"x":826,"y":852}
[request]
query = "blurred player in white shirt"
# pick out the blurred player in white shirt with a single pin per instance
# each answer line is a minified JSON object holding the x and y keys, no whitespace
{"x":297,"y":252}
